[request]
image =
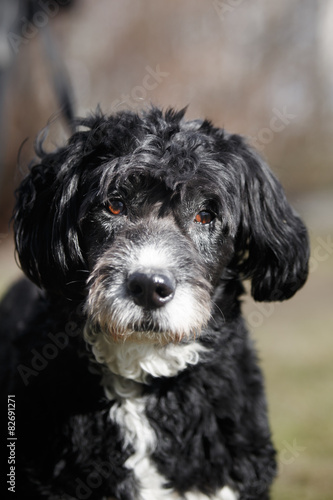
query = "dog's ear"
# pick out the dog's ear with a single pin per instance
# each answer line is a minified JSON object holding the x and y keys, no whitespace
{"x":45,"y":224}
{"x":55,"y":196}
{"x":272,"y":242}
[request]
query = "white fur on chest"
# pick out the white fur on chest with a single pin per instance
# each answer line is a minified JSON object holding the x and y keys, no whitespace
{"x":135,"y":361}
{"x":126,"y":367}
{"x":129,"y":413}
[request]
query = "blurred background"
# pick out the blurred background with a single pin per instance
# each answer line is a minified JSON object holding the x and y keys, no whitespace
{"x":263,"y":69}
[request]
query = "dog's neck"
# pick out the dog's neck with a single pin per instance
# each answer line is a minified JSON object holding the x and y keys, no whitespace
{"x":139,"y":362}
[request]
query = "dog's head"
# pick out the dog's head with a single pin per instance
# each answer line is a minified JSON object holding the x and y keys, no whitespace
{"x":141,"y":216}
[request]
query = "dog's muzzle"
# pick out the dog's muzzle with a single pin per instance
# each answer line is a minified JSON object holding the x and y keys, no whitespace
{"x":148,"y":286}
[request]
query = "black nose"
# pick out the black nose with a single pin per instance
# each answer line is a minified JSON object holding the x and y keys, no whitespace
{"x":151,"y":290}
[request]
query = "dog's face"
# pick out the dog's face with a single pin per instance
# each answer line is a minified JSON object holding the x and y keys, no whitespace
{"x":155,"y":254}
{"x":141,"y":217}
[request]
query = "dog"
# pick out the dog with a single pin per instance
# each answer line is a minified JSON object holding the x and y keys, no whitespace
{"x":125,"y":353}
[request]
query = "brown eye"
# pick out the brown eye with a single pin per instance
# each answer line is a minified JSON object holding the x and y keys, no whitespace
{"x":117,"y":207}
{"x":204,"y":217}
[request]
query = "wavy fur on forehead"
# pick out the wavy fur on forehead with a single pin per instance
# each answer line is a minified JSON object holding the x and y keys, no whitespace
{"x":126,"y":149}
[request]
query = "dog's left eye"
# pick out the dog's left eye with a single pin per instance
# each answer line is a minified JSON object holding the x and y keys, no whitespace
{"x":117,"y":207}
{"x":204,"y":217}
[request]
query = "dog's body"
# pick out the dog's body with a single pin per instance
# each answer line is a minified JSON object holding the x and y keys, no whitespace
{"x":138,"y":233}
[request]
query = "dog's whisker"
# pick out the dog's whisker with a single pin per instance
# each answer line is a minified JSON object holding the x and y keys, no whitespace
{"x":215,"y":306}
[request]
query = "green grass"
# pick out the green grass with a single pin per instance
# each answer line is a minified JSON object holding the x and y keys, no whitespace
{"x":295,"y":344}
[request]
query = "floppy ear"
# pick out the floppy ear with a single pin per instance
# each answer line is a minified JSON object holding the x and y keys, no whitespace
{"x":272,"y":241}
{"x":53,"y":200}
{"x":46,"y":227}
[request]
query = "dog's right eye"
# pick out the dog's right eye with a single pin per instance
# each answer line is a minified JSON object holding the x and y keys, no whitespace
{"x":117,"y":207}
{"x":204,"y":217}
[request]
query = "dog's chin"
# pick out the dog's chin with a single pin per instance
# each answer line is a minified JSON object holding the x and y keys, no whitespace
{"x":146,"y":337}
{"x":137,"y":334}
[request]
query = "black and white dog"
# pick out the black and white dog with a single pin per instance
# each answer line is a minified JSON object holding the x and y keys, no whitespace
{"x":130,"y":365}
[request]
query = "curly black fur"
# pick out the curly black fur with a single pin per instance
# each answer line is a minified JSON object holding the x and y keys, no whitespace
{"x":209,"y":419}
